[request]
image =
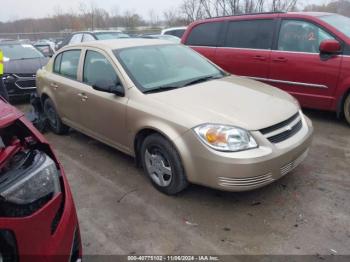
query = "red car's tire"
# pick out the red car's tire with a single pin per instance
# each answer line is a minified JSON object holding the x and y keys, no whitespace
{"x":347,"y":109}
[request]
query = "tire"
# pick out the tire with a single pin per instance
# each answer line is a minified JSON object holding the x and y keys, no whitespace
{"x":53,"y":118}
{"x":347,"y":109}
{"x":162,"y":165}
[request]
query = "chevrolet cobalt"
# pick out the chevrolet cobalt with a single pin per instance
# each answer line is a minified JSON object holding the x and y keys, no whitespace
{"x":184,"y":119}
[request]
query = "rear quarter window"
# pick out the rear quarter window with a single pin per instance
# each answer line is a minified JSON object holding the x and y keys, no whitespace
{"x":206,"y":34}
{"x":57,"y":64}
{"x":66,"y":64}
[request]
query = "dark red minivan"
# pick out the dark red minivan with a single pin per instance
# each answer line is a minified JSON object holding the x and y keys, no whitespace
{"x":306,"y":54}
{"x":38,"y":221}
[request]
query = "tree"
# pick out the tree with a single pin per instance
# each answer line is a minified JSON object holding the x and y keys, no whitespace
{"x":199,"y":9}
{"x":340,"y":7}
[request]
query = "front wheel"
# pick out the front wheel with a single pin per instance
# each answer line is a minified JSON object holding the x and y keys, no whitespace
{"x":347,"y":109}
{"x":162,"y":165}
{"x":53,"y":118}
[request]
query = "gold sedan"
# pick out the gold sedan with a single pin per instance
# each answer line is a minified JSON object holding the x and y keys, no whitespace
{"x":183,"y":118}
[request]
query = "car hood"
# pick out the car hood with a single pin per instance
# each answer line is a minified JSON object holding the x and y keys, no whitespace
{"x":25,"y":66}
{"x":231,"y":100}
{"x":8,"y":113}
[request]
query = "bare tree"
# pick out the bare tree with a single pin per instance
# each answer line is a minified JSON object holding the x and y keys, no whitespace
{"x":199,"y":9}
{"x":153,"y":17}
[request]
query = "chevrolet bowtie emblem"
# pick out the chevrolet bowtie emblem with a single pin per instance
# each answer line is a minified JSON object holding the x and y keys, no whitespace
{"x":288,"y":128}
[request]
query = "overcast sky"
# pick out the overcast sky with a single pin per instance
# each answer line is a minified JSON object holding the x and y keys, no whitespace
{"x":17,"y":9}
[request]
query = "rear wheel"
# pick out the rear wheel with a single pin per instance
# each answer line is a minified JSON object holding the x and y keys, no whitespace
{"x":53,"y":118}
{"x":162,"y":165}
{"x":347,"y":109}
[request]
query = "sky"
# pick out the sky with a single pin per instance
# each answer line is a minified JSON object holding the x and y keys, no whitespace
{"x":17,"y":9}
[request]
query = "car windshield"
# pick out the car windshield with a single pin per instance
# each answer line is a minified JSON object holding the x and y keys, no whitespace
{"x":110,"y":35}
{"x":20,"y":51}
{"x":166,"y":66}
{"x":339,"y":22}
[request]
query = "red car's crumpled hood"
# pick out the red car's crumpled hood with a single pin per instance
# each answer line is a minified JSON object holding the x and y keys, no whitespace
{"x":8,"y":113}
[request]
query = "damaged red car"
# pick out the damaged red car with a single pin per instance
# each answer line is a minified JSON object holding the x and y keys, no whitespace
{"x":38,"y":220}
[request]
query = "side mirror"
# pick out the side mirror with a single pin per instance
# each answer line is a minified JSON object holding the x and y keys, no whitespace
{"x":330,"y":47}
{"x":108,"y":87}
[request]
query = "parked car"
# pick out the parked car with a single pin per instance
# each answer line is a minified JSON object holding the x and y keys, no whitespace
{"x":79,"y":37}
{"x":38,"y":221}
{"x":171,"y":38}
{"x":175,"y":31}
{"x":305,"y":54}
{"x":46,"y":42}
{"x":21,"y":61}
{"x":45,"y":49}
{"x":183,"y":118}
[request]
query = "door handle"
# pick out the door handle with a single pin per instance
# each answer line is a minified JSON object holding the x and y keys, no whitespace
{"x":54,"y":85}
{"x":280,"y":59}
{"x":260,"y":58}
{"x":83,"y":96}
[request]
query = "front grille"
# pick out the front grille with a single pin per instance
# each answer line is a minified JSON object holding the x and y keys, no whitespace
{"x":8,"y":246}
{"x":287,"y":134}
{"x":75,"y":253}
{"x":24,"y":75}
{"x":279,"y":125}
{"x":284,"y":130}
{"x":25,"y":84}
{"x":246,"y":182}
{"x":56,"y":220}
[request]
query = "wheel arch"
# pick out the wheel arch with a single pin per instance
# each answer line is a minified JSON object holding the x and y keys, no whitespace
{"x":140,"y":137}
{"x":341,"y":102}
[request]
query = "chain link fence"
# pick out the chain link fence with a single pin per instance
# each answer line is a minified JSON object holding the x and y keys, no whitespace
{"x":32,"y":37}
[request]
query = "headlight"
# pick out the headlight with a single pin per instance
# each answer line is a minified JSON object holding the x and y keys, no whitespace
{"x":31,"y":185}
{"x":225,"y":138}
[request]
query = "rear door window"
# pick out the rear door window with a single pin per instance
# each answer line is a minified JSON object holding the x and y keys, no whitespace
{"x":69,"y":64}
{"x":206,"y":34}
{"x":252,"y":34}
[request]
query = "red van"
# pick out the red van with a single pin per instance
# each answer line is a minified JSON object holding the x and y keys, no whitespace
{"x":306,"y":54}
{"x":38,"y":221}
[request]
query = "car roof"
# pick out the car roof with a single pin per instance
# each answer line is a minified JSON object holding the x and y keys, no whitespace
{"x":316,"y":14}
{"x":265,"y":14}
{"x":174,"y":28}
{"x":121,"y":43}
{"x":96,"y":31}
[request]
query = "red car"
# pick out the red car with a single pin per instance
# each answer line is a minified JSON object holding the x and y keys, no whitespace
{"x":38,"y":221}
{"x":305,"y":54}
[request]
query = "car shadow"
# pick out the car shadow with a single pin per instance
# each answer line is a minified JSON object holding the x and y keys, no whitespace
{"x":325,"y":116}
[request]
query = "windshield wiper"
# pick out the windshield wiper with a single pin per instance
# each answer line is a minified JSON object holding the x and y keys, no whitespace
{"x":203,"y":79}
{"x":160,"y":89}
{"x":192,"y":82}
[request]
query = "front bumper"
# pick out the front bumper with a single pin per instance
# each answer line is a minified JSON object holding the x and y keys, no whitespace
{"x":35,"y":239}
{"x":20,"y":85}
{"x":246,"y":170}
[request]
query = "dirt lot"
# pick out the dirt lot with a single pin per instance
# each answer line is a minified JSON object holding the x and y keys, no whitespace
{"x":306,"y":212}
